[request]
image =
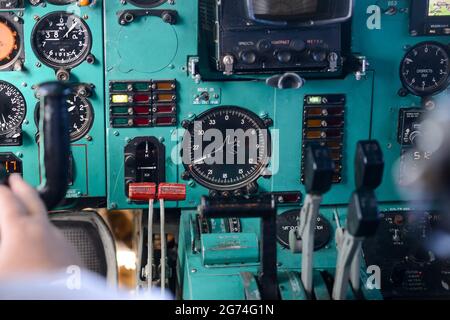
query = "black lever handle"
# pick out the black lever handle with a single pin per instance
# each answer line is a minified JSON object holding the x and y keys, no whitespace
{"x":264,"y":207}
{"x":319,"y":169}
{"x":369,"y":165}
{"x":363,"y":215}
{"x":54,"y":142}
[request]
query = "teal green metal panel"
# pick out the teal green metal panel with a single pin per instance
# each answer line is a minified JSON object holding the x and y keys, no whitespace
{"x":146,"y":49}
{"x":89,"y":156}
{"x":385,"y":49}
{"x":229,"y":248}
{"x":165,"y":57}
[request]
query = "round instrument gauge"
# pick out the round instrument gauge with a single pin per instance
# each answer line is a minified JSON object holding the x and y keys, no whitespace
{"x":12,"y":108}
{"x":146,"y":3}
{"x":226,"y":148}
{"x":61,"y":40}
{"x":9,"y":43}
{"x":289,"y":220}
{"x":81,"y":116}
{"x":425,"y":69}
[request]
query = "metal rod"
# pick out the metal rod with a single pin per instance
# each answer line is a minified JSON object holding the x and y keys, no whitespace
{"x":163,"y":245}
{"x":150,"y":244}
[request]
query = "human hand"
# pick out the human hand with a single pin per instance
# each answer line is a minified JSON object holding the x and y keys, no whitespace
{"x":29,"y":243}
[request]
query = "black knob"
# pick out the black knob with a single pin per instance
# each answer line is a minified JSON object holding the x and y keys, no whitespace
{"x":298,"y":45}
{"x":319,"y":55}
{"x":284,"y":56}
{"x":248,"y":57}
{"x":264,"y":45}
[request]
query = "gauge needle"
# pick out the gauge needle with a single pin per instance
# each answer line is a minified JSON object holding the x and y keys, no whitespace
{"x":3,"y":117}
{"x":71,"y":28}
{"x":225,"y":141}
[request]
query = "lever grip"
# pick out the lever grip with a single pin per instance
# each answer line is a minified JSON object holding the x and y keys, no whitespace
{"x":369,"y":165}
{"x":363,"y":215}
{"x":318,"y":169}
{"x":54,"y":142}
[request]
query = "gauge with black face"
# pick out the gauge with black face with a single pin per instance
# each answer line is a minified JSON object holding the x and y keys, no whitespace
{"x":9,"y":43}
{"x":81,"y":116}
{"x":425,"y":69}
{"x":61,"y":40}
{"x":12,"y":108}
{"x":146,"y":3}
{"x":290,"y":220}
{"x":226,"y":148}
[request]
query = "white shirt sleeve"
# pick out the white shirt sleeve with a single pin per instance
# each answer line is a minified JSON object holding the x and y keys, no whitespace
{"x":63,"y":285}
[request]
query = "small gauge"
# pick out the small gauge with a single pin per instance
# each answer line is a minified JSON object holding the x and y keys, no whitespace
{"x":81,"y":116}
{"x":9,"y":43}
{"x":425,"y":69}
{"x":226,"y":148}
{"x":61,"y":40}
{"x":289,"y":220}
{"x":12,"y":108}
{"x":146,"y":3}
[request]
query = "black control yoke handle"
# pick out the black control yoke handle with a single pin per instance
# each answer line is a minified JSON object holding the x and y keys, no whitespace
{"x":54,"y":142}
{"x":260,"y":206}
{"x":318,"y":169}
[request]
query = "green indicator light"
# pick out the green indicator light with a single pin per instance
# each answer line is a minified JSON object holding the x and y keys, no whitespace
{"x":119,"y":110}
{"x":119,"y":87}
{"x":141,"y":86}
{"x":120,"y":121}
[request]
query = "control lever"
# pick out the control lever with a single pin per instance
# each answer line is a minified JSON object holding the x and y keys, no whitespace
{"x":319,"y":170}
{"x":167,"y":192}
{"x":263,"y":207}
{"x":54,"y":145}
{"x":362,"y":217}
{"x":146,"y":192}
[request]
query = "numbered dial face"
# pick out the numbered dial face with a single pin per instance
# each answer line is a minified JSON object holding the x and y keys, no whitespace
{"x":226,"y":148}
{"x":9,"y":43}
{"x":81,"y":116}
{"x":61,"y":40}
{"x":147,"y":3}
{"x":12,"y":108}
{"x":425,"y":69}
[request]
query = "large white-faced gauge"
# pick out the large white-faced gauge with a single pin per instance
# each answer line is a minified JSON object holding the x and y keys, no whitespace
{"x":425,"y":69}
{"x":226,"y":148}
{"x":61,"y":40}
{"x":12,"y":108}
